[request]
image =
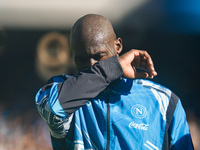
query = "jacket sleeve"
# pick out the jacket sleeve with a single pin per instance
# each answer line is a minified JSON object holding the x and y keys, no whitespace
{"x":76,"y":90}
{"x":179,"y":129}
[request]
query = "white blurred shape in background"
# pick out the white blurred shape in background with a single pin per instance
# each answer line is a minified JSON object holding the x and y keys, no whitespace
{"x":62,"y":13}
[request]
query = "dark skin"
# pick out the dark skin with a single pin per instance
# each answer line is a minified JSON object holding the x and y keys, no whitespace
{"x":93,"y":39}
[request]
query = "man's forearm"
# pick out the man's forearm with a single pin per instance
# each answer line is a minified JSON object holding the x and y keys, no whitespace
{"x":76,"y":90}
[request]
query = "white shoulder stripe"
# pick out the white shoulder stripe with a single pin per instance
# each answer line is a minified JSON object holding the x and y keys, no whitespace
{"x":161,"y":93}
{"x":163,"y":102}
{"x":155,"y":86}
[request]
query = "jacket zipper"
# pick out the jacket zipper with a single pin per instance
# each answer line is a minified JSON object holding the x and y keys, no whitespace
{"x":108,"y":111}
{"x":108,"y":119}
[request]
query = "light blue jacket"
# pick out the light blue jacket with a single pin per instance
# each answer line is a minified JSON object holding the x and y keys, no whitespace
{"x":128,"y":114}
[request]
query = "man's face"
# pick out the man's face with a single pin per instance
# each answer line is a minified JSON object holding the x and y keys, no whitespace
{"x":85,"y":56}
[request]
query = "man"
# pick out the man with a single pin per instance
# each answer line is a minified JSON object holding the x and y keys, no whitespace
{"x":105,"y":106}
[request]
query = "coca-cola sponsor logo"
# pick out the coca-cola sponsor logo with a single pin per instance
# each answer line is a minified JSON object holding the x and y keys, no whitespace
{"x":140,"y":126}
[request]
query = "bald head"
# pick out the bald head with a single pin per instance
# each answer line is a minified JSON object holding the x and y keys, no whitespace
{"x":93,"y":39}
{"x":92,"y":30}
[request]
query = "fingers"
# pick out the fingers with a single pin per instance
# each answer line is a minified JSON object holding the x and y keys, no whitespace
{"x":143,"y":60}
{"x":134,"y":59}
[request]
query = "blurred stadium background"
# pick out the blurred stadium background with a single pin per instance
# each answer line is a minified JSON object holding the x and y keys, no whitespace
{"x":34,"y":46}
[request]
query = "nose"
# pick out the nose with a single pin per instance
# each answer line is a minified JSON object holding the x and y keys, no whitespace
{"x":92,"y":61}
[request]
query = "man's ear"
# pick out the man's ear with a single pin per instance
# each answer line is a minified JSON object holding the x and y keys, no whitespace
{"x":118,"y":45}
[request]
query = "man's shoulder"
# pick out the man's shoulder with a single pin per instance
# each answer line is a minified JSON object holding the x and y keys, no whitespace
{"x":53,"y":80}
{"x":58,"y":78}
{"x":153,"y":85}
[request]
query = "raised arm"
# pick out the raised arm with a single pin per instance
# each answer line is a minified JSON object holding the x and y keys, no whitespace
{"x":75,"y":91}
{"x":89,"y":83}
